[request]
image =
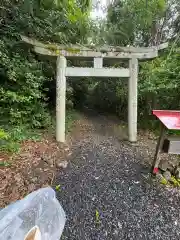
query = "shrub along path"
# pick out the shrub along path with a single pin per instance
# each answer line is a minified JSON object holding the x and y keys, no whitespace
{"x":107,"y":191}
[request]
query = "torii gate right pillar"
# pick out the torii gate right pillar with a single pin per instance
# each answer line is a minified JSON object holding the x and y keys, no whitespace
{"x":132,"y":99}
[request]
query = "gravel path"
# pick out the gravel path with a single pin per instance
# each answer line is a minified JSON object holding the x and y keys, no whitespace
{"x":106,"y":177}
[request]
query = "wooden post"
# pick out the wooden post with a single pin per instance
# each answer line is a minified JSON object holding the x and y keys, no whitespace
{"x":61,"y":99}
{"x":132,"y":100}
{"x":158,"y":149}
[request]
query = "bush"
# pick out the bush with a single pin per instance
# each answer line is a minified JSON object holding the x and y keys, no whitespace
{"x":23,"y":100}
{"x":159,"y":85}
{"x":11,"y":137}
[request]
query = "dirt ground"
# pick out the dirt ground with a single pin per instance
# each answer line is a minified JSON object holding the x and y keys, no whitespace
{"x":33,"y":167}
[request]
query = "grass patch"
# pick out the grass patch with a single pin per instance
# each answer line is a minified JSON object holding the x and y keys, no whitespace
{"x":71,"y":116}
{"x":5,"y":164}
{"x":11,"y":137}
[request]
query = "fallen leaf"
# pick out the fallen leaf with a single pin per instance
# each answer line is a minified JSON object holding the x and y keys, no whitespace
{"x":163,"y":181}
{"x":58,"y":188}
{"x":97,"y":216}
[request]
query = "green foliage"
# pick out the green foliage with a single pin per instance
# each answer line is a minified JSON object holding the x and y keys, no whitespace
{"x":159,"y":84}
{"x":26,"y":79}
{"x":10,"y":138}
{"x":110,"y":96}
{"x":5,"y":164}
{"x":6,"y":143}
{"x":21,"y":89}
{"x":53,"y":21}
{"x":138,"y":23}
{"x":58,"y":188}
{"x":164,"y":181}
{"x":27,"y":85}
{"x":22,"y":133}
{"x":158,"y":88}
{"x":97,"y":217}
{"x":71,"y":116}
{"x":3,"y":135}
{"x":142,"y":22}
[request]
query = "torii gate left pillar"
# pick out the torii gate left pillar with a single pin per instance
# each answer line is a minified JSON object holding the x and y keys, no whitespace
{"x":133,"y":99}
{"x":61,"y":99}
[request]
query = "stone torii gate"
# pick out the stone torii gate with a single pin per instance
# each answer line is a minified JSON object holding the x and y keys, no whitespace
{"x":74,"y":51}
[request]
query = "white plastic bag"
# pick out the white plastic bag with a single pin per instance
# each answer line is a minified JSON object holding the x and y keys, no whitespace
{"x":41,"y":209}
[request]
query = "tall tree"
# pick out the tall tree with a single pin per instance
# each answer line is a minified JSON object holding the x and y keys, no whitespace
{"x":142,"y":22}
{"x":58,"y":21}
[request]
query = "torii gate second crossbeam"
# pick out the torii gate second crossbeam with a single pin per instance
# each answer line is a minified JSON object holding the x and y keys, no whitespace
{"x":61,"y":52}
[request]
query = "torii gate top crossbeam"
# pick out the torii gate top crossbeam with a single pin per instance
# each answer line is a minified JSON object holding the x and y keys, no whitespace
{"x":91,"y":52}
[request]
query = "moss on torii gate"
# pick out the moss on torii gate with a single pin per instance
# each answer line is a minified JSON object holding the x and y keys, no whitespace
{"x":98,"y":54}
